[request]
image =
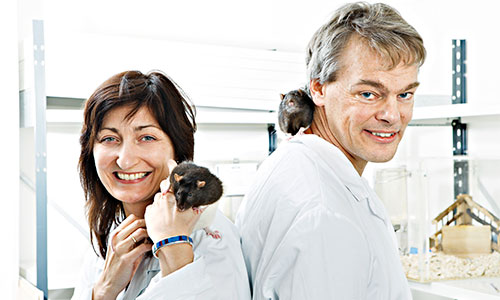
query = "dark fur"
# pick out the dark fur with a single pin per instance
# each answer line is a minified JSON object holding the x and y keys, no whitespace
{"x":296,"y":110}
{"x":186,"y":190}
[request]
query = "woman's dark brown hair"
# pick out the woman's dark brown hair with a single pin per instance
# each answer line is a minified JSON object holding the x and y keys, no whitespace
{"x":169,"y":106}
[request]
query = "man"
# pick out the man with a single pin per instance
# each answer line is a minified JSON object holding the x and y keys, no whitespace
{"x":311,"y":227}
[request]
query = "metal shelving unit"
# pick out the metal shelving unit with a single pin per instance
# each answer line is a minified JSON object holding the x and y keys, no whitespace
{"x":457,"y":115}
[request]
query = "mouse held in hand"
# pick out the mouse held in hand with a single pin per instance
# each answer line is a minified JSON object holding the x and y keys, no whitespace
{"x":194,"y":186}
{"x":295,"y":112}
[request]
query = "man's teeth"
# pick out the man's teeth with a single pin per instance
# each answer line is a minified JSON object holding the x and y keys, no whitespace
{"x":130,"y":176}
{"x":384,"y":135}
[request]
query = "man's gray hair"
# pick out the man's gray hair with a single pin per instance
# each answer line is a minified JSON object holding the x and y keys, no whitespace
{"x":379,"y":25}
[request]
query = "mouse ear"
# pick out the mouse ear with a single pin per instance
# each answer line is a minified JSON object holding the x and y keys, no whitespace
{"x":282,"y":96}
{"x":301,"y":92}
{"x":177,"y":177}
{"x":200,"y":183}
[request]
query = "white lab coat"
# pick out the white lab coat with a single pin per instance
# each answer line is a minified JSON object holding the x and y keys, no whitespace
{"x":312,"y":228}
{"x":217,"y":272}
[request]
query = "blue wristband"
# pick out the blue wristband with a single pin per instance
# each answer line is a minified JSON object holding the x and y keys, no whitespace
{"x":179,"y":239}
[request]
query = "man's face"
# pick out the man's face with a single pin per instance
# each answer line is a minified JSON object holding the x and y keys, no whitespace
{"x":368,"y":107}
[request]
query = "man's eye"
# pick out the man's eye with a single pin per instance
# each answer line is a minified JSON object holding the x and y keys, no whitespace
{"x":406,"y":96}
{"x":368,"y":95}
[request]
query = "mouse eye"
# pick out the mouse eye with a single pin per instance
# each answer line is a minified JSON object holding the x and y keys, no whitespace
{"x":190,"y":194}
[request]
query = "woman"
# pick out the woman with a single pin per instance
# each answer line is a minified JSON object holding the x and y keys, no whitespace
{"x":136,"y":127}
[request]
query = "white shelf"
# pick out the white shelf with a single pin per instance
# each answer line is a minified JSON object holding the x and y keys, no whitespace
{"x":468,"y":289}
{"x":202,"y":117}
{"x":443,"y":114}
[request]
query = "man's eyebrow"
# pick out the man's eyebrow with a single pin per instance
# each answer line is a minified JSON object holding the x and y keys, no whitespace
{"x":374,"y":84}
{"x":411,"y":86}
{"x":382,"y":87}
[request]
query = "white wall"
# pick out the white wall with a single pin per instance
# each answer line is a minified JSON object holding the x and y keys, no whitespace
{"x":9,"y":178}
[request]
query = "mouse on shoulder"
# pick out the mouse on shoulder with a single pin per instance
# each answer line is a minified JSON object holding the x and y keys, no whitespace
{"x":295,"y":112}
{"x":195,"y":186}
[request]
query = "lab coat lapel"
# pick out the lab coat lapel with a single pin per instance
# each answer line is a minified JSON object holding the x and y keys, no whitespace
{"x":346,"y":172}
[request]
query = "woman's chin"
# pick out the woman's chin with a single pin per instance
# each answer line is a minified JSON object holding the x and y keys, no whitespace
{"x":140,"y":199}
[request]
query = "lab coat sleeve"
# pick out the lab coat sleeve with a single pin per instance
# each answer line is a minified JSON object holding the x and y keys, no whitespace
{"x":318,"y":258}
{"x":88,"y":277}
{"x":187,"y":283}
{"x":217,"y":273}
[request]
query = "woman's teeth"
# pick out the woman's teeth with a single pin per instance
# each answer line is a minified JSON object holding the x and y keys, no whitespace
{"x":134,"y":176}
{"x":384,"y":135}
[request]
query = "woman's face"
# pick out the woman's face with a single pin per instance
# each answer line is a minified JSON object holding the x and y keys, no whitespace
{"x":131,"y":156}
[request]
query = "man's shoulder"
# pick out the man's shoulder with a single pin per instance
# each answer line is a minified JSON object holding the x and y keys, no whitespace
{"x":290,"y":156}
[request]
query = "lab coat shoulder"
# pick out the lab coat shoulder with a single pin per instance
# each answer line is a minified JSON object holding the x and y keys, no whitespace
{"x":283,"y":174}
{"x":294,"y":224}
{"x":320,"y":249}
{"x":218,"y":271}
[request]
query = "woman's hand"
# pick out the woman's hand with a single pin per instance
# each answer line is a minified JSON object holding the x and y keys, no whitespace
{"x":125,"y":252}
{"x":164,"y":220}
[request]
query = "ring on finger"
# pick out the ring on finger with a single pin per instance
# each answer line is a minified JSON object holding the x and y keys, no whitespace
{"x":135,"y":241}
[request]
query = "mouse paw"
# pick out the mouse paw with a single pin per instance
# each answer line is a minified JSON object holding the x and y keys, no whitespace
{"x":214,"y":234}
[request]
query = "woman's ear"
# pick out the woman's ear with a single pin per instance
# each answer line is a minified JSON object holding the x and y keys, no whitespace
{"x":317,"y":92}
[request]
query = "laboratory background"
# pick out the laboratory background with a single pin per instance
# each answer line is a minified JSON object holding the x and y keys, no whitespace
{"x":234,"y":59}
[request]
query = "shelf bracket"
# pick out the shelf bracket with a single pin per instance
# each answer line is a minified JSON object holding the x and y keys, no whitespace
{"x":459,"y":72}
{"x":41,"y":157}
{"x":459,"y":95}
{"x":460,"y":166}
{"x":271,"y":129}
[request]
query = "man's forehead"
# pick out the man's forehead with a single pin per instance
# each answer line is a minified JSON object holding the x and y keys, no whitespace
{"x":359,"y":48}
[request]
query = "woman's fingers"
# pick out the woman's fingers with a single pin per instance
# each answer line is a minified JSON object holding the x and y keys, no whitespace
{"x":171,"y":165}
{"x":131,"y":227}
{"x":128,"y":220}
{"x":170,"y":199}
{"x":164,"y":185}
{"x":134,"y":240}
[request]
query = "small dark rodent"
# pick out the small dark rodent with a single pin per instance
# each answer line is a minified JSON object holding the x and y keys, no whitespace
{"x":194,"y":186}
{"x":296,"y":110}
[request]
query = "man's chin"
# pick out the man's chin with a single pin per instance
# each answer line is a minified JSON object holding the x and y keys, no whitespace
{"x":382,"y":158}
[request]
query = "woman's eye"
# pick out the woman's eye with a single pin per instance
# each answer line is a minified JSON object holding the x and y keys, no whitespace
{"x":148,"y":138}
{"x":368,"y":95}
{"x":108,"y":139}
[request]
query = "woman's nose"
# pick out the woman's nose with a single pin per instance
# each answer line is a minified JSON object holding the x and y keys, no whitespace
{"x":127,"y":156}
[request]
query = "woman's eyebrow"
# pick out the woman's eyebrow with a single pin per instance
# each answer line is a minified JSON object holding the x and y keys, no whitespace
{"x":110,"y":129}
{"x":141,"y":127}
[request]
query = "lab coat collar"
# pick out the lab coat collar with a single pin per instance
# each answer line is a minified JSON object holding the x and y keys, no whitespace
{"x":336,"y":160}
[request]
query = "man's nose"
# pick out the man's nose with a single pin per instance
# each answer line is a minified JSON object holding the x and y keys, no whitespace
{"x":390,"y":111}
